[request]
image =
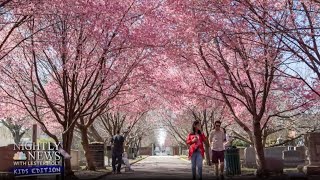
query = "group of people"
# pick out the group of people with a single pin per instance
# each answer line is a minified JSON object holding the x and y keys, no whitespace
{"x":119,"y":156}
{"x":217,"y":140}
{"x":195,"y":140}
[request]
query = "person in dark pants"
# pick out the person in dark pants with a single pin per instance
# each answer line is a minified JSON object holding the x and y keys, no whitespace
{"x":117,"y":142}
{"x":195,"y":141}
{"x":217,"y":140}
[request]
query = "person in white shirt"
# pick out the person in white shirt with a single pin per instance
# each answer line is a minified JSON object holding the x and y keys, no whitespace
{"x":217,"y":140}
{"x":126,"y":161}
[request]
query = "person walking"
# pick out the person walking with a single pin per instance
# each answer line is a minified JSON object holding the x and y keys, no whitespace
{"x":117,"y":142}
{"x":195,"y":141}
{"x":217,"y":140}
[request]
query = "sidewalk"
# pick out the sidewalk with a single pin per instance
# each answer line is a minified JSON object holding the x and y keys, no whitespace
{"x":95,"y":175}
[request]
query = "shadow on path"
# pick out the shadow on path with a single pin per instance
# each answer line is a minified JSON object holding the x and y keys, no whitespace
{"x":171,"y":167}
{"x":158,"y":167}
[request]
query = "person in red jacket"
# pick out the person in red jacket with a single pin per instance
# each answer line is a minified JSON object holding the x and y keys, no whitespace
{"x":195,"y":141}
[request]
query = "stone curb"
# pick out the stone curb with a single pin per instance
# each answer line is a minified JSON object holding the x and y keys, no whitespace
{"x":136,"y":161}
{"x":139,"y":160}
{"x":183,"y":159}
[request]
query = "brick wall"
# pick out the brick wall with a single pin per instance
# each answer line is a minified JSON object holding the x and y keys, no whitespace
{"x":6,"y":158}
{"x":145,"y":151}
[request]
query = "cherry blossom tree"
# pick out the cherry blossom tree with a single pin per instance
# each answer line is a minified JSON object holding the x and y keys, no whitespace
{"x":14,"y":118}
{"x":14,"y":15}
{"x":296,"y":24}
{"x":240,"y":60}
{"x":68,"y":63}
{"x":73,"y":70}
{"x":178,"y":129}
{"x":179,"y":126}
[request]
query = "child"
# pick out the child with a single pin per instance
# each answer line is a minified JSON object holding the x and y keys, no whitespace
{"x":126,"y":161}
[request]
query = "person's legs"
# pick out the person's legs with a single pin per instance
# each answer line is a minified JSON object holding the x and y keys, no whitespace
{"x":221,"y":159}
{"x":119,"y":157}
{"x":193,"y":165}
{"x":114,"y":159}
{"x":199,"y":162}
{"x":216,"y":167}
{"x":221,"y":167}
{"x":215,"y":162}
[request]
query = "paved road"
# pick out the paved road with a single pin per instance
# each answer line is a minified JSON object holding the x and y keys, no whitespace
{"x":158,"y":167}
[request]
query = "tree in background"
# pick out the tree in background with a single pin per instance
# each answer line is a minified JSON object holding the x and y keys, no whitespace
{"x":72,"y":71}
{"x":67,"y":64}
{"x":17,"y":130}
{"x":240,"y":60}
{"x":13,"y":16}
{"x":296,"y":25}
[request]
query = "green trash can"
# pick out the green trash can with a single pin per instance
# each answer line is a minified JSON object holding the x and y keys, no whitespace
{"x":232,"y":161}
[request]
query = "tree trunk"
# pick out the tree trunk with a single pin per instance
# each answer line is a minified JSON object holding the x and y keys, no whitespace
{"x":95,"y":134}
{"x":85,"y":145}
{"x":206,"y":143}
{"x":17,"y":138}
{"x":137,"y":148}
{"x":67,"y":141}
{"x":264,"y":137}
{"x":17,"y":135}
{"x":207,"y":152}
{"x":14,"y":129}
{"x":207,"y":155}
{"x":259,"y":150}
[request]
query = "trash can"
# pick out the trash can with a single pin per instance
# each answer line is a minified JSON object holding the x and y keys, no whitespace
{"x":97,"y":153}
{"x":232,"y":160}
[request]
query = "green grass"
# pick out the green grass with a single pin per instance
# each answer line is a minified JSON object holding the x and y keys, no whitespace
{"x":183,"y":157}
{"x":139,"y":158}
{"x":290,"y":170}
{"x":245,"y":170}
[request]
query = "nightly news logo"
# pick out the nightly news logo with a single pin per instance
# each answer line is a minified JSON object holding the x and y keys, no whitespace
{"x":43,"y":153}
{"x":20,"y":156}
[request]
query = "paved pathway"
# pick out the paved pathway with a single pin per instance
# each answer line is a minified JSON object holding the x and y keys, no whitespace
{"x":158,"y":167}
